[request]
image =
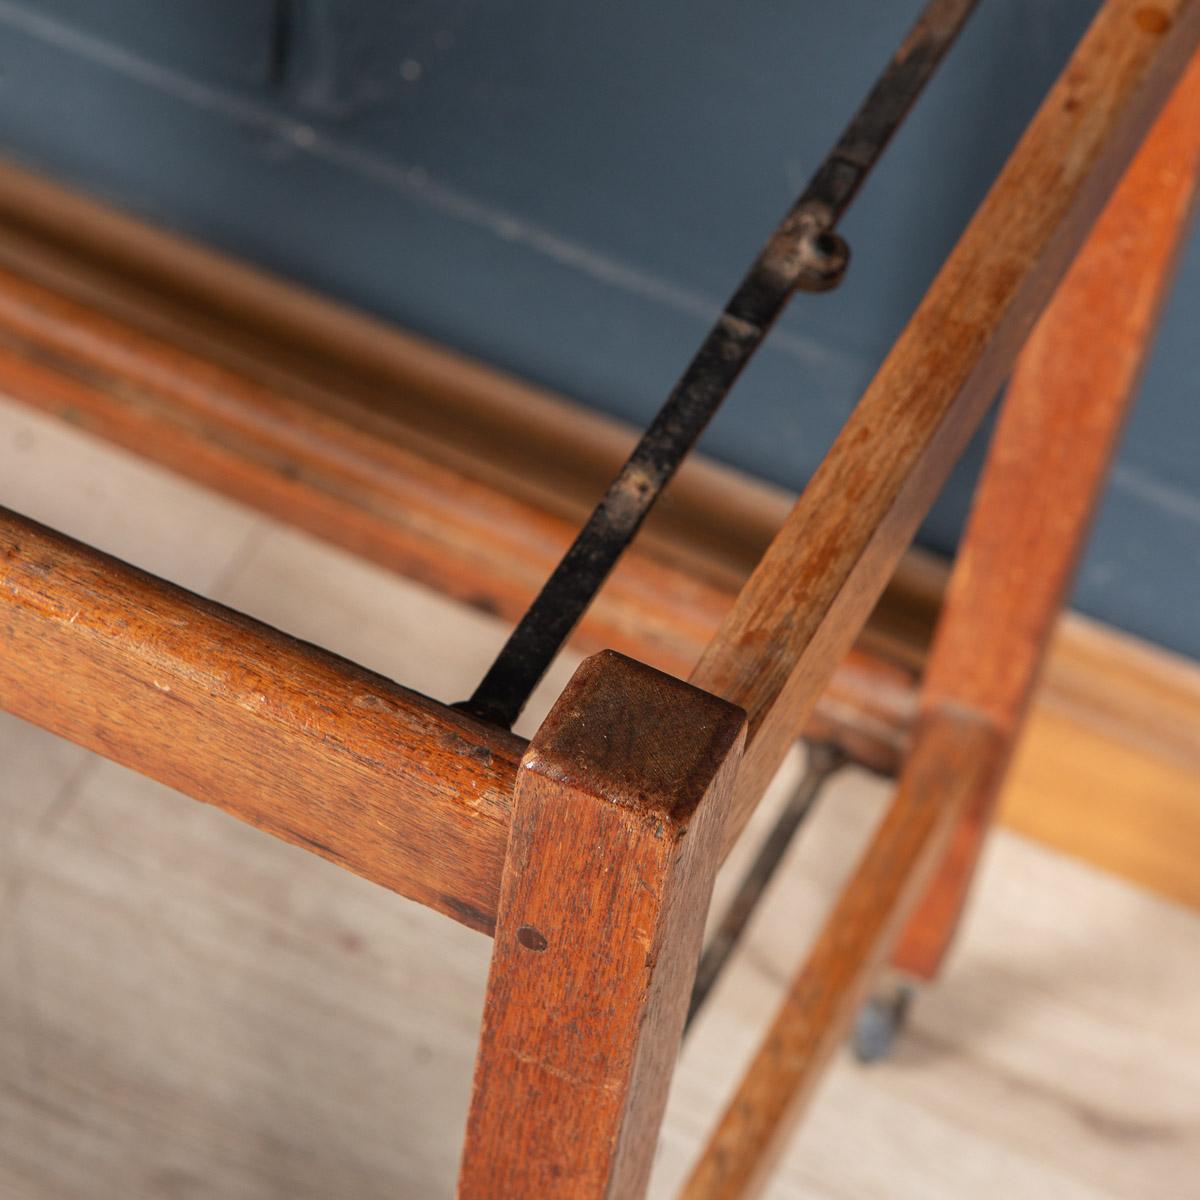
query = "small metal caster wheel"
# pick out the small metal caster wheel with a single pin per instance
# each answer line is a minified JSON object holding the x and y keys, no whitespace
{"x":880,"y":1020}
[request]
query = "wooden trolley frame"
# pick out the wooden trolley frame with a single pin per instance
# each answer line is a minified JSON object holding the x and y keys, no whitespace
{"x":589,"y":852}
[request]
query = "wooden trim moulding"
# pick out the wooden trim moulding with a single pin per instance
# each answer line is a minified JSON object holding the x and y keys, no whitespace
{"x":1108,"y":768}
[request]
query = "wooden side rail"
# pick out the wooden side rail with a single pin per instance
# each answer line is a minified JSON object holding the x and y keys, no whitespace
{"x":298,"y":742}
{"x":813,"y":589}
{"x":1074,"y":384}
{"x":591,"y":852}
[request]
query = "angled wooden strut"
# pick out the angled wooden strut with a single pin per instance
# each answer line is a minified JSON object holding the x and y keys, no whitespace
{"x":797,"y":615}
{"x":350,"y":459}
{"x":617,"y":824}
{"x":1062,"y":417}
{"x":951,"y":755}
{"x":958,"y":750}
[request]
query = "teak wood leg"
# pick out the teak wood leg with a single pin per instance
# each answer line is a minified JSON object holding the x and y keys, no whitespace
{"x":1073,"y":386}
{"x":618,"y":816}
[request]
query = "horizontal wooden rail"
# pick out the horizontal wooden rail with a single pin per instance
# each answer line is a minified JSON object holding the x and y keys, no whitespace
{"x":815,"y":586}
{"x":296,"y":741}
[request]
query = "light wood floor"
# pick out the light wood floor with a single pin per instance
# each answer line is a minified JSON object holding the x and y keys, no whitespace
{"x":190,"y":1009}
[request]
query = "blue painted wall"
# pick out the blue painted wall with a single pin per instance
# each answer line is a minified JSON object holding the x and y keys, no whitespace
{"x":571,"y":189}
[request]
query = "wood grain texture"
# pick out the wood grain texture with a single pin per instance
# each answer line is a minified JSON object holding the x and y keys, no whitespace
{"x":274,"y":1025}
{"x":952,"y":754}
{"x":959,"y":752}
{"x":1073,"y":386}
{"x":405,"y":453}
{"x":305,"y":1034}
{"x":289,"y":738}
{"x":814,"y":587}
{"x":616,"y":835}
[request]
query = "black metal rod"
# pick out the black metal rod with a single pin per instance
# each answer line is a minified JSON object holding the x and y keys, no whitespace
{"x":823,"y":761}
{"x":803,"y":252}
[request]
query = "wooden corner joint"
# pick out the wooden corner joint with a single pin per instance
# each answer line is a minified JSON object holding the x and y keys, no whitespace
{"x":642,"y":760}
{"x":618,"y":819}
{"x":638,"y":739}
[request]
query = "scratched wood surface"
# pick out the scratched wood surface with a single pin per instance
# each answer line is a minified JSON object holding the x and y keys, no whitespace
{"x":309,"y":747}
{"x":189,"y":1008}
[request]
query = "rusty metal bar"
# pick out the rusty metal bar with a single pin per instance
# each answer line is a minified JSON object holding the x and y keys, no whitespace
{"x":803,"y":252}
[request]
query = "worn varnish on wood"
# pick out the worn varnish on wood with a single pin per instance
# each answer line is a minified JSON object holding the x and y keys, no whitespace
{"x":405,"y":791}
{"x":621,"y":806}
{"x":617,"y":825}
{"x":296,"y":741}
